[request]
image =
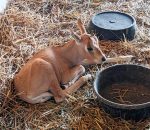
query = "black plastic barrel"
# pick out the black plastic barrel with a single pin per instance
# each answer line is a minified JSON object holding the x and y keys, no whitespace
{"x":113,"y":25}
{"x":120,"y":74}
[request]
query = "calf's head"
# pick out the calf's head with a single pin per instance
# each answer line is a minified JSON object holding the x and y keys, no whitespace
{"x":88,"y":46}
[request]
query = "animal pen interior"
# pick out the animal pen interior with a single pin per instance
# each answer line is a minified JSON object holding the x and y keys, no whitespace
{"x":30,"y":25}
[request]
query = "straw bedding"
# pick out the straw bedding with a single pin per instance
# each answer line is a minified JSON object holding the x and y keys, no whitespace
{"x":30,"y":25}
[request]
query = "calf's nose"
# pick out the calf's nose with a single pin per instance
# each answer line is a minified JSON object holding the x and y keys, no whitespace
{"x":103,"y":58}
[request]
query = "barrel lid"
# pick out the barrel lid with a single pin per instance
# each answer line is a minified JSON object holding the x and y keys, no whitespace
{"x":113,"y":20}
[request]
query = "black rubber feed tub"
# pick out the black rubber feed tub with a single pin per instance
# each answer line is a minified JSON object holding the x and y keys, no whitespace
{"x":124,"y":91}
{"x":113,"y":25}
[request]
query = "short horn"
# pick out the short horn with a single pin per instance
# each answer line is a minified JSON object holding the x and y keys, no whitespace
{"x":75,"y":36}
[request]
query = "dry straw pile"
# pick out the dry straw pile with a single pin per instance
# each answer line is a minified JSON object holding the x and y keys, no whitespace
{"x":29,"y":25}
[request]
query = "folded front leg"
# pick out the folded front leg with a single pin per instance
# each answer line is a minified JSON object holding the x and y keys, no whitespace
{"x":81,"y":81}
{"x":72,"y":75}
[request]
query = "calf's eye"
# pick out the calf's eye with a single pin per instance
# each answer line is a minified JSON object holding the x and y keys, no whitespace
{"x":90,"y":49}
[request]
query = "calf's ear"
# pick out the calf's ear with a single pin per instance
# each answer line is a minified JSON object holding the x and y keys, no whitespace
{"x":81,"y":27}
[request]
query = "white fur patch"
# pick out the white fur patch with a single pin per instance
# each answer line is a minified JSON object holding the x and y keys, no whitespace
{"x":85,"y":61}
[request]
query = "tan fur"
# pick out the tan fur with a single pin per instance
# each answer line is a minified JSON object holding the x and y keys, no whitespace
{"x":48,"y":70}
